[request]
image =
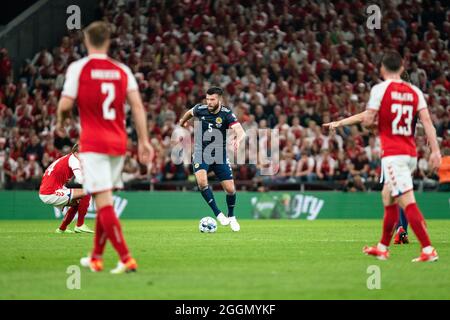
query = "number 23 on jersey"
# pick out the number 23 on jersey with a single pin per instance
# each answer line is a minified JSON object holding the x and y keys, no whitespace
{"x":404,"y":112}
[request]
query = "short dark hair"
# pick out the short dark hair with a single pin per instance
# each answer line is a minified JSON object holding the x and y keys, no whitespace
{"x":215,"y":90}
{"x":392,"y":61}
{"x":97,"y":33}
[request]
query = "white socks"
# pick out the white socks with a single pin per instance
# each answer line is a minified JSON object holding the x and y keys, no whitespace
{"x":428,"y":250}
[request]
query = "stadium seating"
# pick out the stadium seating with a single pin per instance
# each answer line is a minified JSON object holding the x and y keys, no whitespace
{"x":283,"y":66}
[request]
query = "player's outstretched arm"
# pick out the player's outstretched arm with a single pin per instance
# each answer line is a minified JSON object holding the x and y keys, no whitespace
{"x":145,"y":150}
{"x":186,"y":117}
{"x":368,"y":119}
{"x":430,"y":131}
{"x":65,"y":106}
{"x":355,"y":119}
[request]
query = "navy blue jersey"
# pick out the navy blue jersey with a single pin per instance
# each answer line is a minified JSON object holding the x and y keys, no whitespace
{"x":212,"y":126}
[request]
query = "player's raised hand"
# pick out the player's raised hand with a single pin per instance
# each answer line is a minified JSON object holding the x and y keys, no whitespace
{"x":435,"y":160}
{"x":332,"y":126}
{"x":145,"y":152}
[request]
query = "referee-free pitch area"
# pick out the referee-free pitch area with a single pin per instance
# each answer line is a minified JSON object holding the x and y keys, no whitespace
{"x":267,"y":259}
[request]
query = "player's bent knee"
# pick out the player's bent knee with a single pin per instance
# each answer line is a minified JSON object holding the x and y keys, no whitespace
{"x":230,"y":191}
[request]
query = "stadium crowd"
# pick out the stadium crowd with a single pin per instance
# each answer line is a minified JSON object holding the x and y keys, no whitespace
{"x":288,"y":65}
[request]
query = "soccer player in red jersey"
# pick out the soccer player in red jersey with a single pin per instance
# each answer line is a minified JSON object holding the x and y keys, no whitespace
{"x":54,"y":192}
{"x":398,"y":104}
{"x":101,"y":86}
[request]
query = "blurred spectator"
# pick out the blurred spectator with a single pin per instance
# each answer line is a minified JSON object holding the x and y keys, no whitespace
{"x":355,"y":184}
{"x":5,"y":66}
{"x":444,"y":171}
{"x":32,"y":169}
{"x":305,"y":168}
{"x":34,"y":149}
{"x":288,"y":166}
{"x":325,"y":166}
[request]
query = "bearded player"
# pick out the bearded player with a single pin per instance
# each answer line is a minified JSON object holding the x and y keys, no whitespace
{"x":397,"y":105}
{"x":101,"y":86}
{"x":210,"y":151}
{"x":54,"y":192}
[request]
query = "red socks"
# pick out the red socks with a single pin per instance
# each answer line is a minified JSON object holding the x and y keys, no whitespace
{"x":417,"y":223}
{"x":82,"y":209}
{"x":391,"y":215}
{"x":415,"y":219}
{"x":70,"y":214}
{"x":108,"y":226}
{"x":99,"y":239}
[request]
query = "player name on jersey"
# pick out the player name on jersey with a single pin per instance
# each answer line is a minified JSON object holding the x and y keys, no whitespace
{"x":105,"y":74}
{"x":402,"y":96}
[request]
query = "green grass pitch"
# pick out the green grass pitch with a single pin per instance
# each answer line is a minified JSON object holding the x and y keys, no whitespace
{"x":276,"y":259}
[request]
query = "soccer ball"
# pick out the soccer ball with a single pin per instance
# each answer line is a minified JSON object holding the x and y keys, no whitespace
{"x":207,"y":225}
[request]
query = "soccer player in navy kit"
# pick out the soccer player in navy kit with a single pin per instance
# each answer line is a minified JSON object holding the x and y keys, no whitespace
{"x":210,"y":151}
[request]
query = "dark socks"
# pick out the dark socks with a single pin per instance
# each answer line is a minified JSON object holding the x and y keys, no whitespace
{"x":209,"y":198}
{"x":403,"y":222}
{"x":231,"y":202}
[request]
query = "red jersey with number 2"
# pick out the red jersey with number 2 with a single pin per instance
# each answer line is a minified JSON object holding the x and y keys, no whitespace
{"x":397,"y":103}
{"x":100,"y":86}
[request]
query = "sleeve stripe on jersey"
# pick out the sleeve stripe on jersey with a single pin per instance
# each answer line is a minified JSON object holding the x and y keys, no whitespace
{"x":232,"y":124}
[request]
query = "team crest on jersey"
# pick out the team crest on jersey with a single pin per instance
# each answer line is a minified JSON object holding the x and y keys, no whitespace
{"x":219,"y":122}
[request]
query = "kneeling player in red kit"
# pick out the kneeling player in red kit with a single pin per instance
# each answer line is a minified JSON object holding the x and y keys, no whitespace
{"x":54,"y":192}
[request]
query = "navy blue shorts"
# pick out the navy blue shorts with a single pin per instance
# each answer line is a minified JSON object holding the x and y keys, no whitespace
{"x":223,"y":171}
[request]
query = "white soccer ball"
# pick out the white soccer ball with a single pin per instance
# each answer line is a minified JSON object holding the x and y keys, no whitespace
{"x":207,"y":225}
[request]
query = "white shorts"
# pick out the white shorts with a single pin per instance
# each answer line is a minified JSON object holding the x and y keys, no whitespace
{"x":101,"y":172}
{"x":396,"y":172}
{"x":59,"y":198}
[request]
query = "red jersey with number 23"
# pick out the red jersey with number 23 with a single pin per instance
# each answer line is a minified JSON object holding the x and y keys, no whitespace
{"x":59,"y":173}
{"x":100,"y":86}
{"x":397,"y":103}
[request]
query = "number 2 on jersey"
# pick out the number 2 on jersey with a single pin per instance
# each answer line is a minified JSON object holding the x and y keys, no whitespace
{"x":110,"y":91}
{"x":401,"y":110}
